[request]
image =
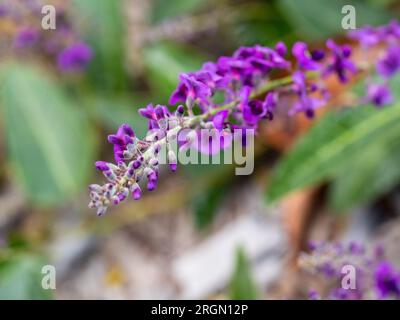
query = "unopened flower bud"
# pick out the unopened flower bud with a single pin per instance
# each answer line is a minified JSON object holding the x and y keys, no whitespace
{"x":153,"y":162}
{"x":180,"y":111}
{"x":137,"y":164}
{"x":172,"y":161}
{"x":101,"y":211}
{"x":102,"y":165}
{"x":95,"y":188}
{"x":136,"y":191}
{"x":110,"y":175}
{"x":115,"y":200}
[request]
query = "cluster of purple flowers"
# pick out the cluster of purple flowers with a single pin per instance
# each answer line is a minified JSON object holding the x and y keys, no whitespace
{"x":250,"y":84}
{"x":386,"y":39}
{"x":62,"y":44}
{"x":375,"y":276}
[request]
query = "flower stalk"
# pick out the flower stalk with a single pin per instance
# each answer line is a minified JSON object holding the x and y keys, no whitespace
{"x":250,"y":95}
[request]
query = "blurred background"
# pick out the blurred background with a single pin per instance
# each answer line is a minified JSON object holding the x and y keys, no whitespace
{"x":204,"y":233}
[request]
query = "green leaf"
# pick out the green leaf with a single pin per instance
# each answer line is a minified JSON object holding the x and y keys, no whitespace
{"x":21,"y":278}
{"x":164,"y":62}
{"x":48,"y":138}
{"x":331,"y":145}
{"x":242,"y":285}
{"x":104,"y":29}
{"x":323,"y":18}
{"x":377,"y":172}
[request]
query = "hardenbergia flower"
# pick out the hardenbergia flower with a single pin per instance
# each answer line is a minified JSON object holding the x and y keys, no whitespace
{"x":251,"y":83}
{"x":374,"y":276}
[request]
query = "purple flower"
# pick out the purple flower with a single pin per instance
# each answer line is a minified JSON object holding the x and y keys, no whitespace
{"x":148,"y":112}
{"x":390,"y":63}
{"x":102,"y":166}
{"x":306,"y":60}
{"x":235,"y":68}
{"x":120,"y":140}
{"x":249,"y":63}
{"x":172,"y":160}
{"x":270,"y":103}
{"x":227,"y":93}
{"x":220,"y":119}
{"x":387,"y":280}
{"x":156,"y":115}
{"x":373,"y":275}
{"x":255,"y":110}
{"x":190,"y":91}
{"x":211,"y":142}
{"x":328,"y":270}
{"x":3,"y":10}
{"x":304,"y":103}
{"x":275,"y":57}
{"x":312,"y":246}
{"x":209,"y":76}
{"x":341,"y":64}
{"x":356,"y":248}
{"x":313,"y":295}
{"x":368,"y":36}
{"x":75,"y":57}
{"x":346,"y":294}
{"x":281,"y":49}
{"x":379,"y":94}
{"x":252,"y":111}
{"x":391,"y":31}
{"x":136,"y":192}
{"x":26,"y":37}
{"x":152,"y":180}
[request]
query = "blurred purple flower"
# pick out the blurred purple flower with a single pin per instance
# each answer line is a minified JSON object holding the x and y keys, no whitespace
{"x":75,"y":57}
{"x":341,"y":65}
{"x":305,"y":103}
{"x":367,"y":36}
{"x":304,"y":58}
{"x":26,"y":37}
{"x":387,"y":280}
{"x":3,"y":10}
{"x":390,"y":63}
{"x":379,"y":94}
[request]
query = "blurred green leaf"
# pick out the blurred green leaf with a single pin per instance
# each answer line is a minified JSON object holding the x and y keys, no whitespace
{"x":364,"y":136}
{"x":242,"y":285}
{"x":331,"y":146}
{"x":49,"y":140}
{"x":103,"y":24}
{"x":168,"y":9}
{"x":376,"y":172}
{"x":320,"y":19}
{"x":21,"y":277}
{"x":164,"y":62}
